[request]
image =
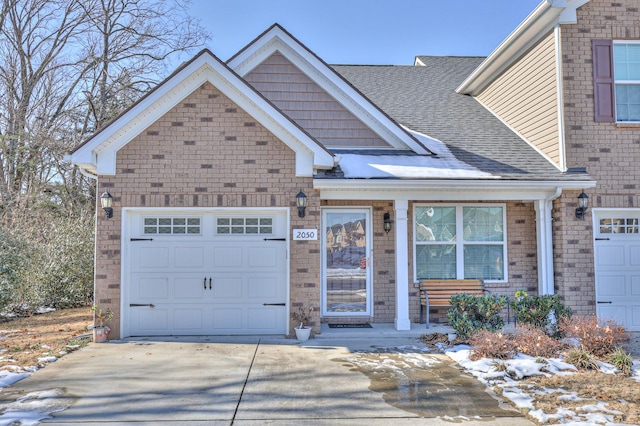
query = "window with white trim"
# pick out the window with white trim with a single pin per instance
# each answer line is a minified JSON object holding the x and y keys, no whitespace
{"x":460,"y":242}
{"x":244,"y":225}
{"x":626,"y":71}
{"x":172,"y":225}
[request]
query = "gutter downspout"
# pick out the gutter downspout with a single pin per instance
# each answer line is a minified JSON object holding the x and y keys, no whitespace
{"x":544,"y":241}
{"x":95,"y":231}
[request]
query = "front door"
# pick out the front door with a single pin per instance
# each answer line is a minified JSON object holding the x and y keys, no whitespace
{"x":346,"y":262}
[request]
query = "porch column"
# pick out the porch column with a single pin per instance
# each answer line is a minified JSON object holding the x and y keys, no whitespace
{"x":544,"y":239}
{"x":402,"y":321}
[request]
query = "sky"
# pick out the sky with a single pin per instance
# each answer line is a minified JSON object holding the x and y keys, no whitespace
{"x":377,"y":32}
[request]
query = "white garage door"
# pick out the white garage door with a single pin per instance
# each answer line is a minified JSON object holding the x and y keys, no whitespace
{"x":617,"y":266}
{"x":219,"y":273}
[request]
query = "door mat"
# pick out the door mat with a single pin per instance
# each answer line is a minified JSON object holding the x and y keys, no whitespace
{"x":367,"y":325}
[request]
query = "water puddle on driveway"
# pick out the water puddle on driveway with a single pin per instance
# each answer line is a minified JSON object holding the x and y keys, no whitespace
{"x":426,"y":384}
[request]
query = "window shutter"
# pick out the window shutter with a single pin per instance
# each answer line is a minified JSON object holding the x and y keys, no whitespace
{"x":603,"y":87}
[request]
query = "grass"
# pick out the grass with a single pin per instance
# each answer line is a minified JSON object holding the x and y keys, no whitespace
{"x":24,"y":341}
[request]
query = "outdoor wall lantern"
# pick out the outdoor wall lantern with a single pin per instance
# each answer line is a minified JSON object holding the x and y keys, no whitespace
{"x":106,"y":201}
{"x":583,"y":205}
{"x":387,"y":222}
{"x":301,"y":203}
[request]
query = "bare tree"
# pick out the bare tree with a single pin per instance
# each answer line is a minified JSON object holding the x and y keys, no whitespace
{"x":130,"y":41}
{"x":67,"y":67}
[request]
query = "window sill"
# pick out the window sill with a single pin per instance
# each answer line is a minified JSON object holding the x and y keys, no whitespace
{"x":629,"y":125}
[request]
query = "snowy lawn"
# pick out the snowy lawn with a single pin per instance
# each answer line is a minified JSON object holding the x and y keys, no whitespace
{"x":551,"y":391}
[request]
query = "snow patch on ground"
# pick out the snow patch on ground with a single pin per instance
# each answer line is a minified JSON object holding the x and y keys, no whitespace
{"x":8,"y":378}
{"x":34,"y":407}
{"x":507,"y":373}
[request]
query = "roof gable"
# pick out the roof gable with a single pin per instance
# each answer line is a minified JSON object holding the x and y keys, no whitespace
{"x":98,"y":154}
{"x":310,"y":106}
{"x":277,"y":39}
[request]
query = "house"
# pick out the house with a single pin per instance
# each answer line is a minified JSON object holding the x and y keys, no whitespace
{"x":479,"y":163}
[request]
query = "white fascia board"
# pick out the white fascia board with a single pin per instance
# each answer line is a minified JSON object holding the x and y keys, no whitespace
{"x":278,"y":40}
{"x":541,"y":21}
{"x":309,"y":154}
{"x":443,"y":190}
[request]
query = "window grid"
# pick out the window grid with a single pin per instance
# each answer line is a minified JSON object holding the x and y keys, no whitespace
{"x":244,"y":225}
{"x":626,"y":68}
{"x":619,"y":225}
{"x":172,"y":225}
{"x":460,"y":242}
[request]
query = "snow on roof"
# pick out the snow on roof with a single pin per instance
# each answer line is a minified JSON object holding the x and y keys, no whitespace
{"x":410,"y":166}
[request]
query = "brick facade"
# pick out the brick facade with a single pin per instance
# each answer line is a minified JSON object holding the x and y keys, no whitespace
{"x":607,"y":150}
{"x":206,"y":152}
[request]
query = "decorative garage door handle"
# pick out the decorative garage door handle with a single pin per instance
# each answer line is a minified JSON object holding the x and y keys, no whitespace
{"x":141,"y":239}
{"x":151,"y":305}
{"x":274,"y":304}
{"x":606,"y":302}
{"x":205,"y":283}
{"x":275,"y":239}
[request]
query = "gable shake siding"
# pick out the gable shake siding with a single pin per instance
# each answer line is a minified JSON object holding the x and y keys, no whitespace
{"x":310,"y":106}
{"x":525,"y":96}
{"x":218,"y":156}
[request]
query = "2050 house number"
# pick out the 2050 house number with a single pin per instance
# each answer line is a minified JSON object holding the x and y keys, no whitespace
{"x":305,"y":234}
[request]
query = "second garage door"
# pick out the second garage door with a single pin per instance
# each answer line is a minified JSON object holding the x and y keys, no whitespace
{"x":617,"y":266}
{"x":208,"y":273}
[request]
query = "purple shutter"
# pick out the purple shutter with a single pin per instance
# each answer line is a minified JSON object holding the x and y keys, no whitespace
{"x":603,"y":87}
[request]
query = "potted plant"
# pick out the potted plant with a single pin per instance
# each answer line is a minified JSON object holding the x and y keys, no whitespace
{"x":100,"y":329}
{"x":302,"y":316}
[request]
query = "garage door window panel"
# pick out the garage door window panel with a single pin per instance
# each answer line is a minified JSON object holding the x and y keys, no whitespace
{"x":618,"y":225}
{"x":244,"y":225}
{"x":172,"y":225}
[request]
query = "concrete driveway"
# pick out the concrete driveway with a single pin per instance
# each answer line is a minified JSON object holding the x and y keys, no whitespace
{"x":252,"y":381}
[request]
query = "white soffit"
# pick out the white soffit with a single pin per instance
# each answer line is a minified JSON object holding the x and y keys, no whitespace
{"x":276,"y":39}
{"x":100,"y":151}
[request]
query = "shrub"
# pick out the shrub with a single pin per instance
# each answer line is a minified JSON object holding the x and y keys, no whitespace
{"x":621,"y":360}
{"x":535,"y":342}
{"x":487,"y":344}
{"x":581,"y":358}
{"x":543,"y":312}
{"x":46,"y":259}
{"x":16,"y":262}
{"x":470,"y":314}
{"x":599,"y":338}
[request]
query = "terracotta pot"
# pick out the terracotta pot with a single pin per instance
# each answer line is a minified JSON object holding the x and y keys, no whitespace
{"x":100,"y":334}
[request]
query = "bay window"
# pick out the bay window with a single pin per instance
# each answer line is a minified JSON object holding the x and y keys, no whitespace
{"x":460,"y":242}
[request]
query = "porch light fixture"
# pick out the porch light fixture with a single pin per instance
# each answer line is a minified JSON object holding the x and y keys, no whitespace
{"x":387,"y":222}
{"x":301,"y":203}
{"x":583,"y":205}
{"x":106,"y":201}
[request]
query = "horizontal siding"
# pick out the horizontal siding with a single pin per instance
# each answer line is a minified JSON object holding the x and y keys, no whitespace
{"x":525,"y":97}
{"x":310,"y":106}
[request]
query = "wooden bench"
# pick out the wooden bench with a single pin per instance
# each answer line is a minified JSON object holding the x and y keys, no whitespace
{"x":439,"y":292}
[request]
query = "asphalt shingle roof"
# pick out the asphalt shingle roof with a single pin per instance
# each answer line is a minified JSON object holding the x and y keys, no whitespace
{"x":423,"y":98}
